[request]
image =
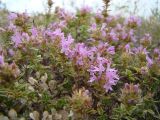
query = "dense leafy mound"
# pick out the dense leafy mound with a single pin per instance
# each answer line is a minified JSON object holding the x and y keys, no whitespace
{"x":79,"y":66}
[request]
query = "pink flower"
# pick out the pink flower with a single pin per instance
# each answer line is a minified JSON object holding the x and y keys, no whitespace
{"x":66,"y":46}
{"x":128,"y":48}
{"x":156,"y":51}
{"x":119,"y":27}
{"x":25,"y":36}
{"x":1,"y":60}
{"x":11,"y":52}
{"x":62,"y":24}
{"x":102,"y":60}
{"x":109,"y":19}
{"x":12,"y":27}
{"x":98,"y":71}
{"x":103,"y":30}
{"x":133,"y":20}
{"x":80,"y":61}
{"x":131,"y":35}
{"x":93,"y":27}
{"x":81,"y":49}
{"x":58,"y":32}
{"x":146,"y":39}
{"x":17,"y":39}
{"x":136,"y":88}
{"x":60,"y":12}
{"x":113,"y":36}
{"x":126,"y":85}
{"x":124,"y":35}
{"x":34,"y":31}
{"x":81,"y":52}
{"x":12,"y":16}
{"x":54,"y":34}
{"x":111,"y":78}
{"x":85,"y":9}
{"x":140,"y":49}
{"x":99,"y":15}
{"x":101,"y":48}
{"x":94,"y":70}
{"x":92,"y":78}
{"x":111,"y":50}
{"x":149,"y":60}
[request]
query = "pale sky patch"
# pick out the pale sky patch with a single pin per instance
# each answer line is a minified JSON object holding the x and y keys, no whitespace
{"x":34,"y":6}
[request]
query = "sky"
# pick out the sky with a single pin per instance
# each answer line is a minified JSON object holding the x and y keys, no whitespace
{"x":34,"y":6}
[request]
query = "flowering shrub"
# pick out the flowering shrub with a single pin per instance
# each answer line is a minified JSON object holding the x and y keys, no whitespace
{"x":78,"y":66}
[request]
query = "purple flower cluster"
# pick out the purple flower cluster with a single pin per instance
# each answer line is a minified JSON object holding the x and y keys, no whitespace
{"x":97,"y":58}
{"x":90,"y":58}
{"x":103,"y":71}
{"x":116,"y":33}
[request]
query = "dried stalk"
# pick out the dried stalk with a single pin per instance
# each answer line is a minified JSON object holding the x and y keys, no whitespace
{"x":106,"y":6}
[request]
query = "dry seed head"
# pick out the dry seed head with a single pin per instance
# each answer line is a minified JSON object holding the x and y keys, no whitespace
{"x":82,"y":96}
{"x":50,"y":3}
